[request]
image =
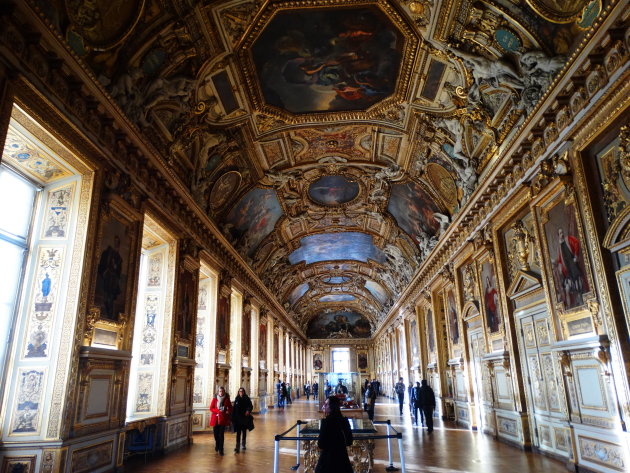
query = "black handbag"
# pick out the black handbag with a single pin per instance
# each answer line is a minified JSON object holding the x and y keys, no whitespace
{"x":249,"y":422}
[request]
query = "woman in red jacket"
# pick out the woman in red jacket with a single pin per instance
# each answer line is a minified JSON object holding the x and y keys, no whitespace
{"x":221,"y":409}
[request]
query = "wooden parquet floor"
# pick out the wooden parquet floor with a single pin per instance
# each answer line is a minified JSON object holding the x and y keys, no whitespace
{"x":448,"y":449}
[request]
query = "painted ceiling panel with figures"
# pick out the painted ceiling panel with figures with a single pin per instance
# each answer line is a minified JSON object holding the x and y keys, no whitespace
{"x":332,"y":141}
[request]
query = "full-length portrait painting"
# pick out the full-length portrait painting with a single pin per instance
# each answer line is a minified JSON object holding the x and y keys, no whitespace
{"x":565,"y":249}
{"x":328,"y":59}
{"x":223,"y":323}
{"x":362,"y":361}
{"x":490,"y":297}
{"x":452,"y":317}
{"x":318,"y":362}
{"x":430,"y":332}
{"x":262,"y":341}
{"x":112,"y":273}
{"x":415,"y":345}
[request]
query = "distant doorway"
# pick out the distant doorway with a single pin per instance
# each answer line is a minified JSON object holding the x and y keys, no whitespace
{"x":341,"y":360}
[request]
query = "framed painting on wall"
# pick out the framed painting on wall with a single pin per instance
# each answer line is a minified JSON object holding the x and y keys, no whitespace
{"x":362,"y":361}
{"x":491,"y":301}
{"x":262,"y":341}
{"x":452,"y":317}
{"x":564,"y":252}
{"x":116,"y":263}
{"x":318,"y":361}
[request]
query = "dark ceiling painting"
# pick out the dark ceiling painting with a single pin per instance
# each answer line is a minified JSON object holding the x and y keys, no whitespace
{"x":414,"y":210}
{"x":333,"y":190}
{"x":339,"y":324}
{"x":235,"y":97}
{"x":336,"y":246}
{"x":327,"y":60}
{"x":253,"y":218}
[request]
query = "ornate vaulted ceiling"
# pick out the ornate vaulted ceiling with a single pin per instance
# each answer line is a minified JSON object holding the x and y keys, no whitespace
{"x":331,"y":141}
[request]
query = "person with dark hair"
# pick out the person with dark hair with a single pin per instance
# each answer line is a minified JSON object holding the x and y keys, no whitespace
{"x":241,"y":418}
{"x":334,"y":436}
{"x":221,"y":408}
{"x":427,"y":403}
{"x":400,"y":392}
{"x":415,"y":403}
{"x":370,"y":401}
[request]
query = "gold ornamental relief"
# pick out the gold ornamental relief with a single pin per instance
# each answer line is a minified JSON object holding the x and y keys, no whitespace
{"x":559,"y":11}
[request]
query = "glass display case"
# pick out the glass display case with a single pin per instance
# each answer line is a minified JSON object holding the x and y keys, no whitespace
{"x":346,"y":386}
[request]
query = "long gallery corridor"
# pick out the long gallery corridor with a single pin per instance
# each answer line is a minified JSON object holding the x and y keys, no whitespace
{"x":449,"y":449}
{"x":294,"y":195}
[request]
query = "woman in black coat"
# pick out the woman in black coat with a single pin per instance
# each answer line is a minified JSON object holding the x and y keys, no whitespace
{"x":334,"y":436}
{"x":241,"y":413}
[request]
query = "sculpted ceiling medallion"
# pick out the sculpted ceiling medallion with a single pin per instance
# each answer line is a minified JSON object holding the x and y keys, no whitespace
{"x":309,"y":61}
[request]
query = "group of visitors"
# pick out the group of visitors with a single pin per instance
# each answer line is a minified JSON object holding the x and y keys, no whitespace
{"x":422,"y":398}
{"x":224,"y":413}
{"x":311,"y":389}
{"x":284,"y":392}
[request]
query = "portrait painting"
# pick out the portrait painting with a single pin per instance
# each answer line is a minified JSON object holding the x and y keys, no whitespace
{"x":333,"y":190}
{"x":276,"y":349}
{"x":339,"y":324}
{"x":298,"y":292}
{"x":565,"y":253}
{"x":262,"y":342}
{"x":491,"y":302}
{"x":327,"y":60}
{"x":253,"y":218}
{"x":413,"y":210}
{"x":318,"y":362}
{"x":430,"y":332}
{"x":337,"y":246}
{"x":378,"y":291}
{"x":246,"y":332}
{"x":223,"y":323}
{"x":337,"y":298}
{"x":452,"y":317}
{"x":113,"y":268}
{"x":362,"y":361}
{"x":187,"y":298}
{"x":415,"y":345}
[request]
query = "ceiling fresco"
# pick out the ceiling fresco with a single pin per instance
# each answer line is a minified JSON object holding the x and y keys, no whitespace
{"x":332,"y":141}
{"x":327,"y":60}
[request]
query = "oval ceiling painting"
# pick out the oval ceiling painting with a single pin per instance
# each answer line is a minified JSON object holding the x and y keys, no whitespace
{"x":333,"y":190}
{"x":328,"y":59}
{"x":413,"y":210}
{"x":339,"y":324}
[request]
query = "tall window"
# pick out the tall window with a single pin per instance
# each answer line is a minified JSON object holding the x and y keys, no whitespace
{"x":17,"y":199}
{"x":341,"y":360}
{"x":152,"y":326}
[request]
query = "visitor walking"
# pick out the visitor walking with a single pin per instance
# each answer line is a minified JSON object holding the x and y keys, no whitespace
{"x":242,"y":418}
{"x":221,"y":408}
{"x":400,"y":392}
{"x":427,"y":401}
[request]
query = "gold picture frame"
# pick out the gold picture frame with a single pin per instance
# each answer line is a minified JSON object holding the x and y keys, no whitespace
{"x":569,"y":280}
